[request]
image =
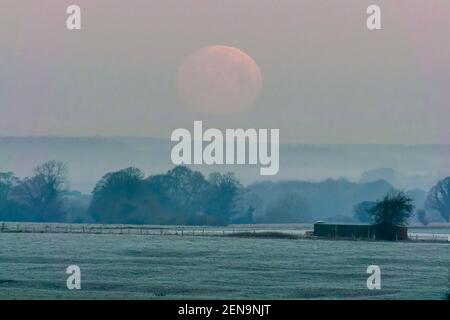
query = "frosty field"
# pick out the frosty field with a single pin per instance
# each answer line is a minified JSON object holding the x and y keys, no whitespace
{"x":32,"y":266}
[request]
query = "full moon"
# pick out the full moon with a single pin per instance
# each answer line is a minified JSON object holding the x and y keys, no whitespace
{"x":219,"y":80}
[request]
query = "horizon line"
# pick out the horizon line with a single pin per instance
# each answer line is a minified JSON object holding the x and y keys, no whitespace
{"x":99,"y":136}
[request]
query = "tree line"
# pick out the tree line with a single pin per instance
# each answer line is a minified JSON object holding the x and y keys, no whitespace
{"x":185,"y":196}
{"x":180,"y":196}
{"x":437,"y":200}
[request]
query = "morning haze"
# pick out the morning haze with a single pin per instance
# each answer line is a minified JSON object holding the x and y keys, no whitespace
{"x":119,"y":176}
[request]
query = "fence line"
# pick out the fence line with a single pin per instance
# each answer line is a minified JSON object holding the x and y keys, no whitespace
{"x":10,"y":227}
{"x":17,"y":227}
{"x":429,"y":236}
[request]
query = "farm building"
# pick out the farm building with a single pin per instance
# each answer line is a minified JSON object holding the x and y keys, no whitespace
{"x":360,"y":231}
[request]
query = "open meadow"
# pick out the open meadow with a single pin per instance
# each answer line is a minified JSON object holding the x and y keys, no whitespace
{"x":123,"y":266}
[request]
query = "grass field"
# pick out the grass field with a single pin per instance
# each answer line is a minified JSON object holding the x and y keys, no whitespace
{"x":33,"y":265}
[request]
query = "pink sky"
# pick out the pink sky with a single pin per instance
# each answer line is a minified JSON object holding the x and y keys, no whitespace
{"x":326,"y":77}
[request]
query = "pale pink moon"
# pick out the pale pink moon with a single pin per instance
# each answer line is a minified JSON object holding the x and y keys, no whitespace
{"x":219,"y":79}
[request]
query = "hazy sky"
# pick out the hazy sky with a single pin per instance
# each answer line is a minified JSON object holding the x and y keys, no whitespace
{"x":326,"y":78}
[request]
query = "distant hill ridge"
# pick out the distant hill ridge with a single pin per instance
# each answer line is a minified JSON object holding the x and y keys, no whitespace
{"x":89,"y":158}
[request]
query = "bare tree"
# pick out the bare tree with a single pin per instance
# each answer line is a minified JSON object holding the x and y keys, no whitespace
{"x":439,"y":198}
{"x":393,"y":210}
{"x":7,"y":182}
{"x":42,"y":192}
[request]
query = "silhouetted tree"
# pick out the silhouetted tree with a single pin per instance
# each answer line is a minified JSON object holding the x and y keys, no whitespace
{"x":10,"y":210}
{"x":224,"y":197}
{"x":361,"y":211}
{"x":7,"y":182}
{"x":439,"y":198}
{"x":42,"y":193}
{"x":393,"y":210}
{"x":121,"y":197}
{"x":181,"y":190}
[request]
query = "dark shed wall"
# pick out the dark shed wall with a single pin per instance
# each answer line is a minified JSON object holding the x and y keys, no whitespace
{"x":360,"y":231}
